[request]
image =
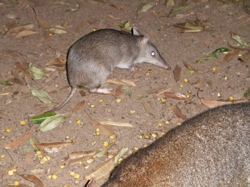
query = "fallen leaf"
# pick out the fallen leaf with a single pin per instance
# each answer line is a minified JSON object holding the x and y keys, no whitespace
{"x":42,"y":23}
{"x":177,"y":73}
{"x":58,"y":62}
{"x":238,"y":39}
{"x":52,"y":122}
{"x":57,"y":29}
{"x":125,"y":25}
{"x":103,"y":130}
{"x":79,"y":106}
{"x":214,"y":103}
{"x":177,"y":96}
{"x":162,"y":91}
{"x":127,"y":90}
{"x":121,"y":82}
{"x":6,"y":83}
{"x":37,"y":73}
{"x":18,"y":142}
{"x":145,"y":7}
{"x":41,"y":117}
{"x":115,"y":123}
{"x":19,"y":28}
{"x":41,"y":95}
{"x":53,"y":147}
{"x":229,"y":56}
{"x":33,"y":179}
{"x":148,"y":108}
{"x":25,"y":33}
{"x":178,"y":112}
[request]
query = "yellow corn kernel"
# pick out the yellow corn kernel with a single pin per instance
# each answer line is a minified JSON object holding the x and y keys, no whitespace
{"x":185,"y":80}
{"x":72,"y":173}
{"x":105,"y":144}
{"x":146,"y":136}
{"x":181,"y":85}
{"x":167,"y":122}
{"x":145,"y":145}
{"x":225,"y":78}
{"x":78,"y":122}
{"x":22,"y":122}
{"x":132,"y":111}
{"x":12,"y":171}
{"x":16,"y":183}
{"x":92,"y":106}
{"x":54,"y":176}
{"x":77,"y":176}
{"x":231,"y":98}
{"x":86,"y":167}
{"x":163,"y":100}
{"x":8,"y":130}
{"x":159,"y":124}
{"x":154,"y":135}
{"x":91,"y":160}
{"x":218,"y":95}
{"x":214,"y":68}
{"x":62,"y":166}
{"x":118,"y":100}
{"x":94,"y":142}
{"x":136,"y":148}
{"x":100,"y":100}
{"x":188,"y":96}
{"x":2,"y":156}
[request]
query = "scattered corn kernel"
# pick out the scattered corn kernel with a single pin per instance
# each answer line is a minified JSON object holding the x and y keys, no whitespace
{"x":12,"y":171}
{"x":163,"y":100}
{"x":100,"y":100}
{"x":146,"y":136}
{"x":91,"y":160}
{"x":239,"y":54}
{"x":132,"y":111}
{"x":140,"y":136}
{"x":105,"y":144}
{"x":181,"y":85}
{"x":78,"y":122}
{"x":159,"y":124}
{"x":167,"y":122}
{"x":62,"y":166}
{"x":92,"y":106}
{"x":77,"y":182}
{"x":97,"y":133}
{"x":185,"y":80}
{"x":44,"y":159}
{"x":22,"y":122}
{"x":154,"y":135}
{"x":179,"y":123}
{"x":94,"y":142}
{"x":136,"y":148}
{"x":118,"y":100}
{"x":16,"y":183}
{"x":8,"y":130}
{"x":86,"y":167}
{"x":54,"y":176}
{"x":39,"y":154}
{"x":120,"y":160}
{"x":188,"y":96}
{"x":80,"y":163}
{"x":2,"y":156}
{"x":145,"y":145}
{"x":225,"y":78}
{"x":150,"y":71}
{"x":67,"y":138}
{"x":72,"y":173}
{"x":214,"y":68}
{"x":231,"y":98}
{"x":112,"y":137}
{"x":190,"y":91}
{"x":50,"y":34}
{"x":77,"y":176}
{"x":218,"y":95}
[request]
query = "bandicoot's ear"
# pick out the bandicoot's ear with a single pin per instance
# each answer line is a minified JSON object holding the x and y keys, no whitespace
{"x":144,"y":40}
{"x":135,"y":31}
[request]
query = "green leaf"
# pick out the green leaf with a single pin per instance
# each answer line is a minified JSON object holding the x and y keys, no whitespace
{"x":237,"y":39}
{"x":204,"y":58}
{"x":218,"y":51}
{"x":125,"y":25}
{"x":247,"y":93}
{"x":52,"y":122}
{"x":6,"y":83}
{"x":41,"y":95}
{"x":37,"y":73}
{"x":127,"y":90}
{"x":41,"y":117}
{"x":189,"y":71}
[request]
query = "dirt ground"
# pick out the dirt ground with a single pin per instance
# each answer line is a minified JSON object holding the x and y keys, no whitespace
{"x":30,"y":33}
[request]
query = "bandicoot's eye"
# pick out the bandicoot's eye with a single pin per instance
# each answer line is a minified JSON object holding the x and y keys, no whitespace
{"x":152,"y":53}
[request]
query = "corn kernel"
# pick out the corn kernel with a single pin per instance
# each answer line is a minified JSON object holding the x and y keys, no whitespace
{"x":80,"y":163}
{"x":239,"y":55}
{"x":62,"y":166}
{"x":218,"y":95}
{"x":167,"y":122}
{"x":100,"y":100}
{"x":231,"y":98}
{"x":86,"y":167}
{"x":92,"y":106}
{"x":120,"y":160}
{"x":150,"y":71}
{"x":54,"y":176}
{"x":49,"y":176}
{"x":91,"y":160}
{"x":105,"y":144}
{"x":8,"y":130}
{"x":188,"y":96}
{"x":112,"y":137}
{"x":154,"y":135}
{"x":94,"y":142}
{"x":118,"y":100}
{"x":181,"y":85}
{"x":16,"y":183}
{"x":12,"y":171}
{"x":214,"y":69}
{"x":97,"y":133}
{"x":72,"y":173}
{"x":145,"y":145}
{"x":77,"y":182}
{"x":136,"y":148}
{"x":140,"y":136}
{"x":225,"y":78}
{"x":2,"y":156}
{"x":146,"y":136}
{"x":78,"y":122}
{"x":77,"y":176}
{"x":185,"y":80}
{"x":159,"y":124}
{"x":179,"y":123}
{"x":22,"y":122}
{"x":132,"y":111}
{"x":163,"y":100}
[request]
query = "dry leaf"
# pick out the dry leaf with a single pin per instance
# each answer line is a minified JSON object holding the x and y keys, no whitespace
{"x":25,"y":33}
{"x":58,"y":62}
{"x":20,"y":28}
{"x":42,"y":23}
{"x":103,"y":130}
{"x":123,"y":82}
{"x":162,"y":91}
{"x":177,"y":96}
{"x":18,"y":142}
{"x":179,"y":113}
{"x":33,"y":179}
{"x":148,"y":108}
{"x":53,"y":147}
{"x":79,"y":106}
{"x":115,"y":123}
{"x":229,"y":56}
{"x":214,"y":103}
{"x":177,"y":73}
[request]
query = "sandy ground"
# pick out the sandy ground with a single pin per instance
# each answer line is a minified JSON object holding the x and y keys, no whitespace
{"x":40,"y":32}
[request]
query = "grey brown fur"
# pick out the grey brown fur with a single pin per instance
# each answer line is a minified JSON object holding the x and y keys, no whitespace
{"x":210,"y":150}
{"x":94,"y":56}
